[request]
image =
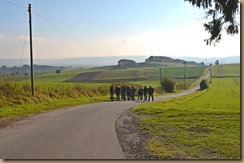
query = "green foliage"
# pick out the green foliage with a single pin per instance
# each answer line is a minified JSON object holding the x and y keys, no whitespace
{"x":58,"y":71}
{"x":203,"y":84}
{"x":217,"y":62}
{"x":168,"y":84}
{"x":223,"y":15}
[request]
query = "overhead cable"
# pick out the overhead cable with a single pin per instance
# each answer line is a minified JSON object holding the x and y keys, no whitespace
{"x":15,"y":4}
{"x":84,"y":43}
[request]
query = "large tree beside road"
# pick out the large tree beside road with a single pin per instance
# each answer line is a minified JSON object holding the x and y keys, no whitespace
{"x":221,"y":15}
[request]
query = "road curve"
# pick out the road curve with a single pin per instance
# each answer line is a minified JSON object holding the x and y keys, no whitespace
{"x":81,"y":132}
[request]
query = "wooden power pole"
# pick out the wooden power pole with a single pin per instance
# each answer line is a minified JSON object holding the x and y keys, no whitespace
{"x":31,"y":53}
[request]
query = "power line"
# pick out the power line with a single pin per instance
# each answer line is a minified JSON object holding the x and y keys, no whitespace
{"x":81,"y":41}
{"x":23,"y":48}
{"x":15,"y":4}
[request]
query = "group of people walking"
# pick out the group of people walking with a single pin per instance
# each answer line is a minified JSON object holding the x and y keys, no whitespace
{"x":126,"y":92}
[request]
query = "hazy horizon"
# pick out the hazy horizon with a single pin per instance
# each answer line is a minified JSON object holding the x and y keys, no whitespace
{"x":105,"y":61}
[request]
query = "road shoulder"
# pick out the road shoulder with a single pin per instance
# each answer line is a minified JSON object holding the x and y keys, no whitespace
{"x":131,"y":139}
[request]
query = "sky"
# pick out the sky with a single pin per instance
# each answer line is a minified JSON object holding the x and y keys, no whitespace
{"x":92,"y":28}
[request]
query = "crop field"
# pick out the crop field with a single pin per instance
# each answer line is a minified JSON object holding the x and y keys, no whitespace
{"x":191,"y":72}
{"x":127,"y":74}
{"x":141,"y":76}
{"x":204,"y":125}
{"x":232,"y":70}
{"x":53,"y":77}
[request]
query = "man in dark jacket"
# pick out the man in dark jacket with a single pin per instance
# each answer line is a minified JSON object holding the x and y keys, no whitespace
{"x":140,"y":93}
{"x":123,"y":89}
{"x":150,"y":93}
{"x":133,"y":93}
{"x":111,"y":92}
{"x":145,"y":93}
{"x":128,"y":93}
{"x":117,"y":92}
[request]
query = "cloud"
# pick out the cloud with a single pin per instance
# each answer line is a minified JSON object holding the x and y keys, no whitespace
{"x":43,"y":47}
{"x":171,"y":42}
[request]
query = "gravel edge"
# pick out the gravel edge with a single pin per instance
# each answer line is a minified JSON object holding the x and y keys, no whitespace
{"x":131,"y":139}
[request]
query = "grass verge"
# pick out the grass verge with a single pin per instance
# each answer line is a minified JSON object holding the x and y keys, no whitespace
{"x":204,"y":125}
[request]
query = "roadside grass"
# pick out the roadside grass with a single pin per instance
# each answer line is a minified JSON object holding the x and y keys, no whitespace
{"x":42,"y":106}
{"x":51,"y":92}
{"x":16,"y":98}
{"x":204,"y":125}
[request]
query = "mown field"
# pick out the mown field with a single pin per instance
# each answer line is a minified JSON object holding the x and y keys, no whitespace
{"x":204,"y":125}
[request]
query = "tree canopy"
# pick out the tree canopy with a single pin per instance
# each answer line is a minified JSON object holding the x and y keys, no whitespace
{"x":223,"y":16}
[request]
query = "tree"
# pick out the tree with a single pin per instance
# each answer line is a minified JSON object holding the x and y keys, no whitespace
{"x":124,"y":63}
{"x":223,"y":15}
{"x":168,"y":84}
{"x":58,"y":71}
{"x":203,"y":84}
{"x":217,"y":62}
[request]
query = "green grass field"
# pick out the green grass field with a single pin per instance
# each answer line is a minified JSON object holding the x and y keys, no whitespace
{"x":204,"y":125}
{"x":51,"y":92}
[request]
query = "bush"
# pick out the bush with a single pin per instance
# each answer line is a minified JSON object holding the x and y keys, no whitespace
{"x":203,"y":85}
{"x":168,"y":84}
{"x":58,"y":71}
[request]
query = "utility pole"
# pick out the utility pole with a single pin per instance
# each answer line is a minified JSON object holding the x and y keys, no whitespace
{"x":31,"y":52}
{"x":184,"y":74}
{"x":210,"y":69}
{"x":160,"y":71}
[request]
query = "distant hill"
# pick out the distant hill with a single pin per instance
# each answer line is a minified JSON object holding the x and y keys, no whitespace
{"x":74,"y":62}
{"x":25,"y":69}
{"x":156,"y":61}
{"x":104,"y":61}
{"x":225,"y":60}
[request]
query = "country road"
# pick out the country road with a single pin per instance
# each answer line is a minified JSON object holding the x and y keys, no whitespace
{"x":81,"y":132}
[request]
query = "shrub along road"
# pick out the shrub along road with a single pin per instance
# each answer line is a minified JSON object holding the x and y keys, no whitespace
{"x":81,"y":132}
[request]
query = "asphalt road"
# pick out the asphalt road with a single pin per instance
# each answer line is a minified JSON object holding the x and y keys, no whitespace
{"x":81,"y":132}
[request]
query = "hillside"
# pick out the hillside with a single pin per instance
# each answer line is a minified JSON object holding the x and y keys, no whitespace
{"x":25,"y":69}
{"x":156,"y":61}
{"x":103,"y":61}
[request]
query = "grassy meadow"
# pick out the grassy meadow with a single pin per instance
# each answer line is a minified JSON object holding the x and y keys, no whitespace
{"x":51,"y":92}
{"x":203,"y":125}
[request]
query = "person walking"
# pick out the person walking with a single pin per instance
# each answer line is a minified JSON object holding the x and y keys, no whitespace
{"x":133,"y":93}
{"x":121,"y":92}
{"x":123,"y":89}
{"x":117,"y":92}
{"x":111,"y":92}
{"x":150,"y":93}
{"x":140,"y":94}
{"x":145,"y":93}
{"x":128,"y":93}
